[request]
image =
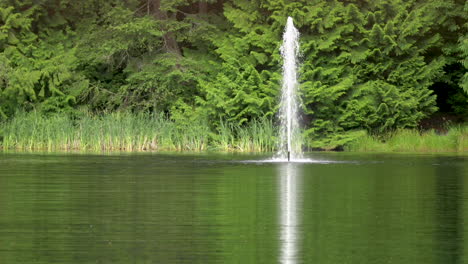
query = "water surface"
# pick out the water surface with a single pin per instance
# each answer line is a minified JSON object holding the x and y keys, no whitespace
{"x":227,"y":208}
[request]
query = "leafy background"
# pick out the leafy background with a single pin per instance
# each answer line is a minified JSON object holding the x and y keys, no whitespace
{"x":376,"y":66}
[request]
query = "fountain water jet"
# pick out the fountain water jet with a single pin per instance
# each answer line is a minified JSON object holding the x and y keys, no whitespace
{"x":290,"y":143}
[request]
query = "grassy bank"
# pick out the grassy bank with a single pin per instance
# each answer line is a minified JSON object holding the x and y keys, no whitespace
{"x":454,"y":140}
{"x":121,"y":131}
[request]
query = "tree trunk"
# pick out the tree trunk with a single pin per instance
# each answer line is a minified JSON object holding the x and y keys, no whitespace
{"x":170,"y":43}
{"x":202,"y":7}
{"x":156,"y":9}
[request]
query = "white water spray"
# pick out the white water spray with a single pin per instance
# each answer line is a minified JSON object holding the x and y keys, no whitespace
{"x":290,"y":144}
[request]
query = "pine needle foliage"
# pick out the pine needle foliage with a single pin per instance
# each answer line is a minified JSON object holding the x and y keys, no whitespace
{"x":365,"y":66}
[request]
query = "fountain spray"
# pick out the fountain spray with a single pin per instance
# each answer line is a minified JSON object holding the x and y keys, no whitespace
{"x":290,"y":146}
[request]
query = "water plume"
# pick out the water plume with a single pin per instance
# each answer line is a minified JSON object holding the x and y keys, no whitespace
{"x":290,"y":142}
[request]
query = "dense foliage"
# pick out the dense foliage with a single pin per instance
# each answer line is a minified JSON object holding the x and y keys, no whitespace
{"x":366,"y":65}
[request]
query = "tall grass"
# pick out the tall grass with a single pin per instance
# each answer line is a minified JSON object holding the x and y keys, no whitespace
{"x":405,"y":140}
{"x":258,"y":135}
{"x":124,"y":131}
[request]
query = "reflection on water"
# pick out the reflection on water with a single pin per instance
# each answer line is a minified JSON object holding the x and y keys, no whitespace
{"x":448,"y":190}
{"x":289,"y":193}
{"x":162,"y":208}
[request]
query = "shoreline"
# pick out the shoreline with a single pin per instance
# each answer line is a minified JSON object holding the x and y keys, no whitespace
{"x":218,"y":151}
{"x":127,"y":132}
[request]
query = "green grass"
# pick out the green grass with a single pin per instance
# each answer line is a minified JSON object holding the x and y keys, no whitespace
{"x":123,"y":131}
{"x":405,"y":140}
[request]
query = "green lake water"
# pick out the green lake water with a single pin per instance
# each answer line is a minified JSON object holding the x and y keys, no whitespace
{"x":228,"y":208}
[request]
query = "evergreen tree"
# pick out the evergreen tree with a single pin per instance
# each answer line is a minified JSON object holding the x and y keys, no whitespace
{"x":37,"y":58}
{"x":365,"y":65}
{"x":463,"y":48}
{"x":246,"y":84}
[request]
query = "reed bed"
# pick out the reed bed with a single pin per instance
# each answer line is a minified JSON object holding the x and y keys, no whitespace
{"x":124,"y":131}
{"x":405,"y":140}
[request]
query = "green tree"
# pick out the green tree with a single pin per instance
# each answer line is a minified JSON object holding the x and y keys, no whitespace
{"x":246,"y":85}
{"x":38,"y":64}
{"x":365,"y":67}
{"x":147,"y":57}
{"x":463,"y":47}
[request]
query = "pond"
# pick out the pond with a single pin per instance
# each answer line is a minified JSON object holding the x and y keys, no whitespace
{"x":233,"y":208}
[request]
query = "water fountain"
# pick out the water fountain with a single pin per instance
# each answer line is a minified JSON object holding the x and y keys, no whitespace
{"x":290,"y":143}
